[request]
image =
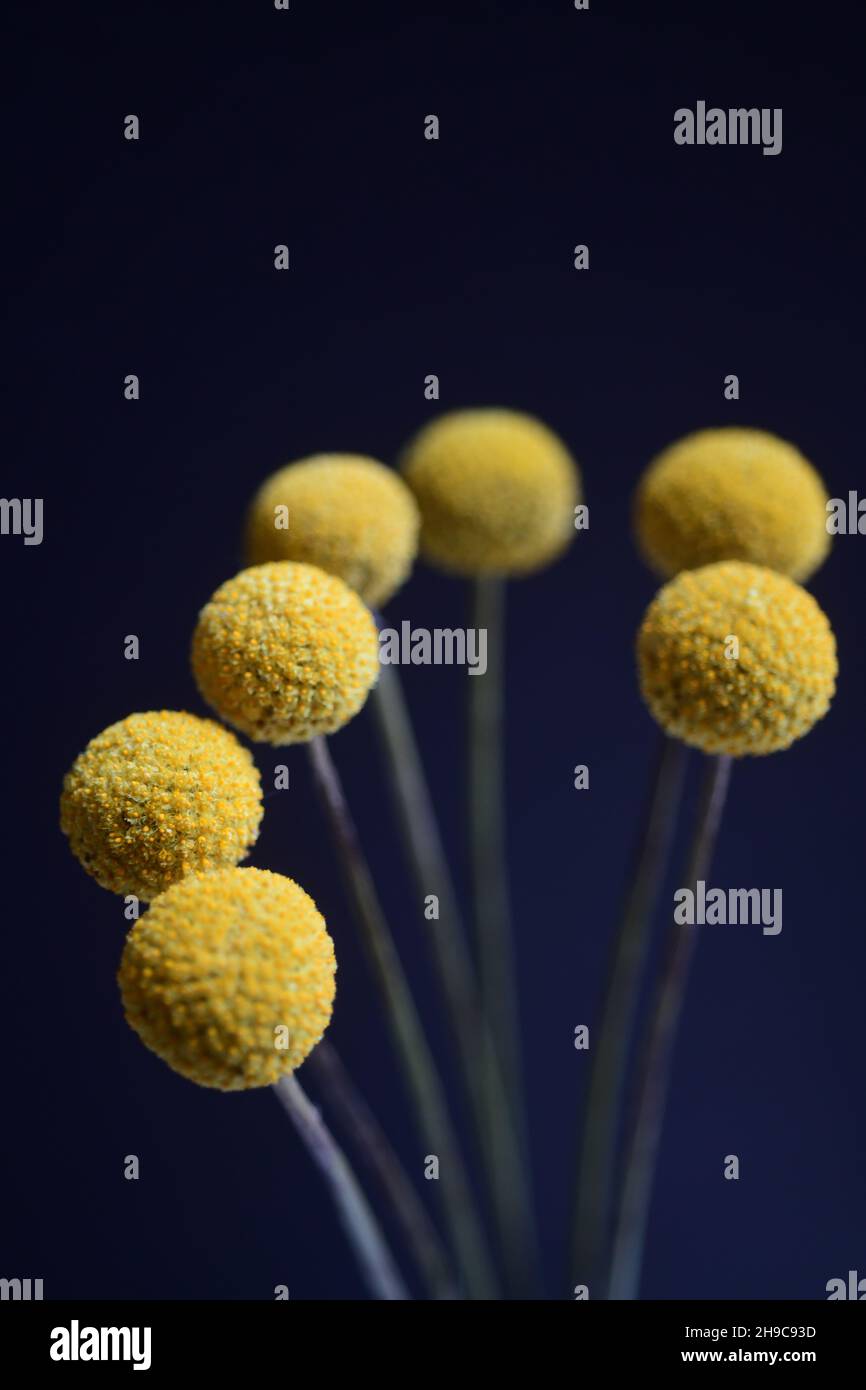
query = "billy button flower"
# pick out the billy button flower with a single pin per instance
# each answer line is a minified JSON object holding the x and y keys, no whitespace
{"x":217,"y":965}
{"x":157,"y":796}
{"x":357,"y":519}
{"x":285,"y":652}
{"x":733,"y":659}
{"x":346,"y":513}
{"x":715,"y":495}
{"x":736,"y":659}
{"x":497,"y":491}
{"x":229,"y":979}
{"x":732,"y":494}
{"x":288,"y":654}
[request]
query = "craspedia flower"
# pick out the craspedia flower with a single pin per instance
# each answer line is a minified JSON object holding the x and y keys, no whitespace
{"x":497,"y":492}
{"x":285,"y":652}
{"x":157,"y":796}
{"x":345,"y":513}
{"x":229,"y":978}
{"x":732,"y":494}
{"x":735,"y":658}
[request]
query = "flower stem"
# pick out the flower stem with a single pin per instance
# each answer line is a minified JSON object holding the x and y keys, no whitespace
{"x":372,"y":1144}
{"x":355,"y":1212}
{"x":412,"y":1048}
{"x":506,"y":1176}
{"x":614,"y":1035}
{"x":488,"y":847}
{"x":657,"y":1052}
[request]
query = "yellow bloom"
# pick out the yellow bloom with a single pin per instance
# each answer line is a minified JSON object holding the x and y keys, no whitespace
{"x":732,"y":494}
{"x":345,"y":513}
{"x":157,"y":796}
{"x":229,"y":978}
{"x":497,"y":492}
{"x":735,"y":658}
{"x":285,"y":652}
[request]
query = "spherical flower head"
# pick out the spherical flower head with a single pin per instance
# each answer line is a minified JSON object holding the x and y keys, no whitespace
{"x":497,"y":492}
{"x":285,"y":652}
{"x":157,"y":796}
{"x":345,"y":513}
{"x":229,"y":978}
{"x":737,"y":659}
{"x":732,"y":494}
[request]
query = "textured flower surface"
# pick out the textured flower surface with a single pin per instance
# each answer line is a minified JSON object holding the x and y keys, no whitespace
{"x":157,"y":796}
{"x":229,"y":978}
{"x":735,"y":658}
{"x":345,"y":513}
{"x":732,"y":494}
{"x":285,"y":652}
{"x":497,"y":492}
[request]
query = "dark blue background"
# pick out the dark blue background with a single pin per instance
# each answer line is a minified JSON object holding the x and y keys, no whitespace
{"x":411,"y":257}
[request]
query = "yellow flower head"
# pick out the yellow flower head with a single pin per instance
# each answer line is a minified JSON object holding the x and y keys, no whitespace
{"x":285,"y":652}
{"x":158,"y":796}
{"x":229,"y":977}
{"x":345,"y":513}
{"x":732,"y":494}
{"x":497,"y":492}
{"x":735,"y":658}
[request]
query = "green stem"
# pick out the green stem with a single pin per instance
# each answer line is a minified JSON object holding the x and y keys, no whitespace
{"x":507,"y":1179}
{"x":488,"y":847}
{"x":657,"y":1053}
{"x":412,"y":1048}
{"x":372,"y":1144}
{"x":355,"y":1212}
{"x":614,"y":1035}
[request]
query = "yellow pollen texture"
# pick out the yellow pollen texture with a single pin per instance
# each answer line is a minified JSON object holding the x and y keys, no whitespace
{"x":229,"y":978}
{"x":348,"y":514}
{"x":285,"y":652}
{"x":496,"y":489}
{"x":157,"y":796}
{"x":732,"y":494}
{"x":735,"y":658}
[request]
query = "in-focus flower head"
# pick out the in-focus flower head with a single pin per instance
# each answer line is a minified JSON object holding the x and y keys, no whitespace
{"x":157,"y":796}
{"x":496,"y":489}
{"x":285,"y":652}
{"x":736,"y":658}
{"x":229,"y":978}
{"x":348,"y":514}
{"x":732,"y":494}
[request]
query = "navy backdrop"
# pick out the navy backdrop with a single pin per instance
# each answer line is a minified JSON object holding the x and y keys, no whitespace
{"x":411,"y":257}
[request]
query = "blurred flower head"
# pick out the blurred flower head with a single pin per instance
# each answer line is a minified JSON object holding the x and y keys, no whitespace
{"x":732,"y":494}
{"x":496,"y":489}
{"x":345,"y":513}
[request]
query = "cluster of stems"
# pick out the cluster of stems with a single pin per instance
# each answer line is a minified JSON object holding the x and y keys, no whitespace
{"x":498,"y":1257}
